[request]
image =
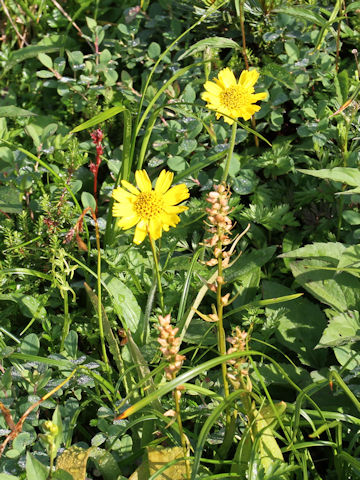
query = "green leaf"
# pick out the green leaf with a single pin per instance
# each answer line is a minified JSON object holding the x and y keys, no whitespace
{"x":88,"y":200}
{"x":7,"y":476}
{"x":124,"y":303}
{"x":30,"y":344}
{"x":100,"y":117}
{"x":106,"y":463}
{"x":35,"y":470}
{"x":300,"y":324}
{"x":351,"y":217}
{"x":30,"y":307}
{"x":339,"y":290}
{"x":248,"y":262}
{"x":45,"y":60}
{"x":304,"y":13}
{"x":348,"y":175}
{"x":342,"y":329}
{"x":12,"y":111}
{"x":353,"y":6}
{"x":71,"y":343}
{"x":350,"y":258}
{"x":29,"y":52}
{"x":281,"y":74}
{"x":154,"y":50}
{"x":10,"y":200}
{"x":330,"y":251}
{"x":211,"y":42}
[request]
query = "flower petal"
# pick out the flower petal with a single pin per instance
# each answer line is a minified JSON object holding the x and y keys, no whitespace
{"x":226,"y":78}
{"x":130,"y":187}
{"x":164,"y":181}
{"x":122,"y":195}
{"x":212,"y":88}
{"x":140,"y":232}
{"x":248,"y":78}
{"x":155,"y":227}
{"x":170,"y":220}
{"x":128,"y":222}
{"x":176,"y":195}
{"x":123,"y":209}
{"x":170,"y":209}
{"x":143,"y":181}
{"x":258,"y":96}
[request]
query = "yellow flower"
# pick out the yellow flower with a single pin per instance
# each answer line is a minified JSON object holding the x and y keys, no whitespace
{"x":152,"y":211}
{"x":235,"y":99}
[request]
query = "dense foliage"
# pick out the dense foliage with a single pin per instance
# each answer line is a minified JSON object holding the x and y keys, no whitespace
{"x":263,"y":382}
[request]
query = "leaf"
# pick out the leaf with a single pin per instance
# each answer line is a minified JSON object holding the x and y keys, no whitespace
{"x":12,"y":111}
{"x":301,"y":324}
{"x":211,"y":42}
{"x":73,"y":460}
{"x":353,"y":6}
{"x":157,"y":458}
{"x":330,"y":251}
{"x":304,"y":13}
{"x":248,"y":262}
{"x":30,"y":344}
{"x":342,"y":329}
{"x":35,"y":470}
{"x":29,"y":52}
{"x":10,"y":200}
{"x":281,"y":74}
{"x":88,"y":200}
{"x":339,"y":290}
{"x":106,"y":464}
{"x":348,"y":175}
{"x":350,"y":258}
{"x":100,"y":117}
{"x":124,"y":303}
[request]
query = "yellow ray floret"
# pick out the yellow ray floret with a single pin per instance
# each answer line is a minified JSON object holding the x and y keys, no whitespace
{"x":151,"y":210}
{"x":231,"y":98}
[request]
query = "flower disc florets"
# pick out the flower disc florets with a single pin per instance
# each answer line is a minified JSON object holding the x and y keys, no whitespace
{"x":152,"y":211}
{"x":233,"y":99}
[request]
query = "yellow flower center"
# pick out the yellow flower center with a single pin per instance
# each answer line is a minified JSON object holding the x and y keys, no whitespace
{"x":148,"y":204}
{"x":234,"y":97}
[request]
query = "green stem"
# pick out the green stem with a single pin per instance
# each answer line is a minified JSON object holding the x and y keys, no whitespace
{"x":67,"y":321}
{"x":98,"y":276}
{"x":157,"y":271}
{"x":230,"y":152}
{"x":181,"y":432}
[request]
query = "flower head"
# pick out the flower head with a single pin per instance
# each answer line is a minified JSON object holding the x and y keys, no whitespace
{"x":151,"y":210}
{"x":233,"y":98}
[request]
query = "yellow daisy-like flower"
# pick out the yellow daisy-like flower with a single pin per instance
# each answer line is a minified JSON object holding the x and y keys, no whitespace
{"x":235,"y":99}
{"x":152,"y":211}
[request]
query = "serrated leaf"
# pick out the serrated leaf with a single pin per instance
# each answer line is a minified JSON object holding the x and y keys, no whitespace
{"x":331,"y":251}
{"x":342,"y":329}
{"x":211,"y":42}
{"x":300,"y":324}
{"x":339,"y":290}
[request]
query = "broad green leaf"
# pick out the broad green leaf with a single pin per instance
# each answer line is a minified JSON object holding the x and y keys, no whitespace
{"x":348,"y":175}
{"x":353,"y":6}
{"x":88,"y":200}
{"x":212,"y":42}
{"x":12,"y":111}
{"x":30,"y":344}
{"x":304,"y":13}
{"x":10,"y":200}
{"x":339,"y":290}
{"x":106,"y":464}
{"x":100,"y":117}
{"x":30,"y":306}
{"x":343,"y":328}
{"x":124,"y":303}
{"x":350,"y":258}
{"x":281,"y":74}
{"x":29,"y":52}
{"x":300,"y":324}
{"x":35,"y":470}
{"x":330,"y":251}
{"x":351,"y":217}
{"x":7,"y":476}
{"x":248,"y":262}
{"x":45,"y":60}
{"x":56,"y":418}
